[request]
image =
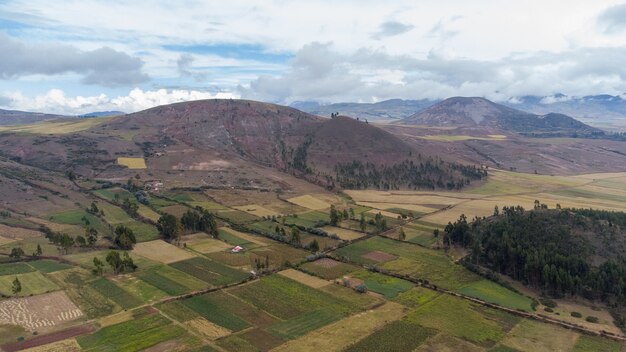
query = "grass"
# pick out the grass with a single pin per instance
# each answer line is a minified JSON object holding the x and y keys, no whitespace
{"x":415,"y":261}
{"x":387,"y":286}
{"x":49,"y":266}
{"x":237,"y":216}
{"x":300,"y":325}
{"x":115,"y":293}
{"x":170,"y":280}
{"x":75,"y":217}
{"x":93,"y":303}
{"x":534,"y":336}
{"x":134,"y":335}
{"x":139,"y":288}
{"x":287,"y":299}
{"x":132,"y":163}
{"x":397,"y":336}
{"x":216,"y":313}
{"x":586,"y":343}
{"x":15,"y":268}
{"x":56,"y":127}
{"x":416,"y":297}
{"x":308,"y":219}
{"x":309,"y":202}
{"x":33,"y":283}
{"x":229,"y":237}
{"x":490,"y":291}
{"x":209,"y":271}
{"x":329,"y":273}
{"x":459,"y":318}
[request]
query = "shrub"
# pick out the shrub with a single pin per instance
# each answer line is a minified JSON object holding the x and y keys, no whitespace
{"x":361,"y":288}
{"x":592,"y":319}
{"x":576,"y":315}
{"x":548,"y":302}
{"x":549,"y":310}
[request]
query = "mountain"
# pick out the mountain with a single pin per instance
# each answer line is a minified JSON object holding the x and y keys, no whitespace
{"x":603,"y":111}
{"x":102,"y":114}
{"x":473,"y":112}
{"x":15,"y":117}
{"x":392,"y":109}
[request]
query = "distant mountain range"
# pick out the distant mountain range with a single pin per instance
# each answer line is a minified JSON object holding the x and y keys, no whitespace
{"x":14,"y":117}
{"x":475,"y":112}
{"x":102,"y":114}
{"x":602,"y":111}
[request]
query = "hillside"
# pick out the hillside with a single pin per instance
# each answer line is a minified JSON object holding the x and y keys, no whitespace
{"x":391,"y":109}
{"x":15,"y":117}
{"x":477,"y":112}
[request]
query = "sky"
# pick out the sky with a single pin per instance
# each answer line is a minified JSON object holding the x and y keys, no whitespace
{"x":73,"y":57}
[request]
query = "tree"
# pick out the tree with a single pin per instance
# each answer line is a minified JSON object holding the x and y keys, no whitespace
{"x":334,"y":216}
{"x":91,"y":235}
{"x":124,"y":237}
{"x":362,"y":224}
{"x":127,"y":263}
{"x":345,"y":214}
{"x":16,"y":253}
{"x":130,"y":207}
{"x":295,"y":235}
{"x":115,"y":261}
{"x":66,"y":242}
{"x":99,"y":265}
{"x":93,"y":208}
{"x":351,"y":213}
{"x":38,"y":252}
{"x":168,"y":226}
{"x":80,"y":240}
{"x":496,"y":211}
{"x":190,"y":221}
{"x":17,"y":286}
{"x":402,"y":235}
{"x":314,"y":246}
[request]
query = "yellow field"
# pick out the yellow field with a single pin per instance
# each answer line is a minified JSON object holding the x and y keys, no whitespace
{"x":257,"y":210}
{"x":309,"y":202}
{"x":344,"y":234}
{"x":117,"y":318}
{"x":57,"y":127}
{"x":503,"y":188}
{"x":207,"y":329}
{"x":161,"y":251}
{"x":388,"y":214}
{"x":303,"y":278}
{"x":203,"y":243}
{"x":69,"y":345}
{"x":148,"y":213}
{"x":455,"y":138}
{"x":132,"y":163}
{"x":341,"y":334}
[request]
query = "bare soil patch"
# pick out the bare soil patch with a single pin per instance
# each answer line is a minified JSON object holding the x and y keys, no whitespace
{"x":39,"y":312}
{"x":49,"y":338}
{"x":326,"y":263}
{"x":379,"y":256}
{"x":303,"y":278}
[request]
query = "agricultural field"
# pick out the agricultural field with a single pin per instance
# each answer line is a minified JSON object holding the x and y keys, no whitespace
{"x":132,"y":163}
{"x":329,"y":269}
{"x":344,"y":234}
{"x":257,"y":210}
{"x":161,"y":251}
{"x":309,"y":202}
{"x":56,"y":127}
{"x":303,"y":278}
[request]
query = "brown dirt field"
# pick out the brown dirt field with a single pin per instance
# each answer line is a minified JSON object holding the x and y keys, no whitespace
{"x":339,"y":335}
{"x":303,"y":278}
{"x":69,"y":345}
{"x":326,"y":263}
{"x":207,"y":329}
{"x":262,"y":339}
{"x":379,"y":256}
{"x":444,"y":343}
{"x":49,"y":338}
{"x":56,"y":226}
{"x":161,"y":251}
{"x":39,"y":312}
{"x":534,"y":336}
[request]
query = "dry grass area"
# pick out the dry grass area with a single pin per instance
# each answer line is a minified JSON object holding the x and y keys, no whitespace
{"x":532,"y":336}
{"x":388,"y":214}
{"x":341,"y":334}
{"x":10,"y":234}
{"x":161,"y":251}
{"x":207,"y":329}
{"x":303,"y":278}
{"x":344,"y":234}
{"x":412,"y":207}
{"x":39,"y":312}
{"x":132,"y":163}
{"x":456,"y":138}
{"x":117,"y":318}
{"x":201,"y":242}
{"x":257,"y":210}
{"x":69,"y":345}
{"x":309,"y":202}
{"x":56,"y":127}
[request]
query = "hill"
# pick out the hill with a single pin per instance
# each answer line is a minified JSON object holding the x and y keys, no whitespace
{"x":15,"y":117}
{"x":391,"y":109}
{"x":474,"y":112}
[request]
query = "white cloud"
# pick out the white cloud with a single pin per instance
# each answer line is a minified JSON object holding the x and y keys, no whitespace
{"x":56,"y":101}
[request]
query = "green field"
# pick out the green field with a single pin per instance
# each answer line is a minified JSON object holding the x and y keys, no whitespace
{"x":416,"y":297}
{"x":399,"y":335}
{"x":233,"y":239}
{"x":15,"y":268}
{"x":308,"y":219}
{"x":48,"y":266}
{"x":329,"y":273}
{"x":216,"y":313}
{"x":387,"y":286}
{"x":209,"y":271}
{"x":490,"y":291}
{"x":415,"y":261}
{"x":300,"y":325}
{"x":80,"y":217}
{"x":170,"y":280}
{"x":33,"y":283}
{"x":586,"y":343}
{"x":237,"y":216}
{"x":134,"y":335}
{"x":115,"y":293}
{"x":92,"y":302}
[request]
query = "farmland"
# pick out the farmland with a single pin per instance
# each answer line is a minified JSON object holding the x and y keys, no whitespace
{"x":132,"y":163}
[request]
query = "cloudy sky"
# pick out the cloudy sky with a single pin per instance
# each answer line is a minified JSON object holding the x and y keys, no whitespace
{"x":79,"y":56}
